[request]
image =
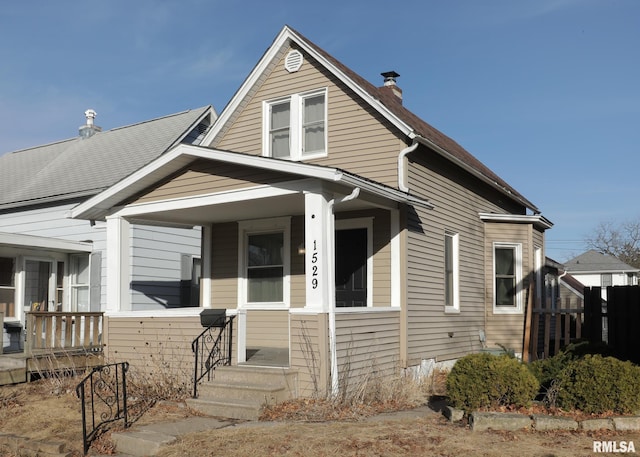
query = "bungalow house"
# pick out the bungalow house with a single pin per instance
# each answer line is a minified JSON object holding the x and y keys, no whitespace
{"x":50,"y":262}
{"x":344,"y":234}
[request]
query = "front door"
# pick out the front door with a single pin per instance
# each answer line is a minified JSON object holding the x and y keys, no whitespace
{"x":351,"y":267}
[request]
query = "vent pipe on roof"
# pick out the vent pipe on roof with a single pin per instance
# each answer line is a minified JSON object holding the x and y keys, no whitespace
{"x":89,"y":129}
{"x":390,"y":83}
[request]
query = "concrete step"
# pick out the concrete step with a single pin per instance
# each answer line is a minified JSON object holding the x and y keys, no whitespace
{"x":258,"y":393}
{"x":248,"y":374}
{"x":227,"y":408}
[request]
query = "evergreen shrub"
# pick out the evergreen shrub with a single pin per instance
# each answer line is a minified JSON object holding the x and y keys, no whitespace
{"x":485,"y":380}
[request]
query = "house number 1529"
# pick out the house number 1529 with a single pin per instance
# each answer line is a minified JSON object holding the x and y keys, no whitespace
{"x":314,"y":266}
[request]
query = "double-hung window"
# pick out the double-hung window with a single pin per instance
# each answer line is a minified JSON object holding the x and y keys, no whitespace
{"x":451,"y":273}
{"x":79,"y":283}
{"x":507,"y":264}
{"x":296,"y":126}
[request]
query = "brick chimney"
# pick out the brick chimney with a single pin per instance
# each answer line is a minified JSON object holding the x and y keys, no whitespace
{"x":390,"y":83}
{"x":89,"y":129}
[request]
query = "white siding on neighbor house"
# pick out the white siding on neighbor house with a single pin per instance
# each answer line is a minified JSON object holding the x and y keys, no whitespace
{"x":156,"y":264}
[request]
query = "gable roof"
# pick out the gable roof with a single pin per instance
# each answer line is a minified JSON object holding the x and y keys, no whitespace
{"x":380,"y":98}
{"x":180,"y":157}
{"x":78,"y":167}
{"x":593,"y":261}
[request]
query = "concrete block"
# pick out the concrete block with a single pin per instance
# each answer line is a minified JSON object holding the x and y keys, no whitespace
{"x":480,"y":421}
{"x":626,"y":423}
{"x":596,"y":424}
{"x":453,"y":414}
{"x":544,"y":422}
{"x":140,"y":443}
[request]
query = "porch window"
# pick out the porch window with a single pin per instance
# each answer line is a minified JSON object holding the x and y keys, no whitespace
{"x":79,"y":283}
{"x":264,"y":265}
{"x":295,"y":127}
{"x":59,"y":285}
{"x":507,"y":261}
{"x":451,"y":273}
{"x":7,"y":286}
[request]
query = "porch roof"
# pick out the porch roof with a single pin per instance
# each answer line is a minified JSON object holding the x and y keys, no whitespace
{"x":17,"y":240}
{"x":103,"y":204}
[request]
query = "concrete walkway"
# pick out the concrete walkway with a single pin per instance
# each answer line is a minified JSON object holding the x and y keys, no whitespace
{"x":147,"y":440}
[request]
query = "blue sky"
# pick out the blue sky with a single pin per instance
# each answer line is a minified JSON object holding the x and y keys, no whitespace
{"x":544,"y":92}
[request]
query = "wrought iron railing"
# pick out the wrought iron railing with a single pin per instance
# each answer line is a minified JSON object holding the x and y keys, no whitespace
{"x":212,"y":348}
{"x":103,"y":394}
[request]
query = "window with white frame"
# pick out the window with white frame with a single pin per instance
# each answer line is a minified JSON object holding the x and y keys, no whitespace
{"x":295,"y":126}
{"x":451,"y":273}
{"x":507,"y":265}
{"x":79,"y":282}
{"x":264,"y":262}
{"x":7,"y":286}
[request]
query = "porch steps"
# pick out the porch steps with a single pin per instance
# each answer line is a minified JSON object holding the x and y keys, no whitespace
{"x":240,"y":392}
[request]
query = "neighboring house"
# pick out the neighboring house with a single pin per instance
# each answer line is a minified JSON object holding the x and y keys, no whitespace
{"x":346,"y":235}
{"x":50,"y":262}
{"x":595,"y":269}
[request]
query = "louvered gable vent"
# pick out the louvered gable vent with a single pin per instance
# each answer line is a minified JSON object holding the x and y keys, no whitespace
{"x":293,"y":61}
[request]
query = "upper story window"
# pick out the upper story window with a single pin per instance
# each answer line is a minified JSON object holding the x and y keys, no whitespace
{"x":295,"y":126}
{"x":507,"y":268}
{"x":606,"y":279}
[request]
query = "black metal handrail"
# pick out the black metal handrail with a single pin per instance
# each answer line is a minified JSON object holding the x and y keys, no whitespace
{"x":212,"y":348}
{"x":106,"y":399}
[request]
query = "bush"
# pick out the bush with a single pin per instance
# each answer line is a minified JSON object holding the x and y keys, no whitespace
{"x":484,"y":380}
{"x":596,"y":384}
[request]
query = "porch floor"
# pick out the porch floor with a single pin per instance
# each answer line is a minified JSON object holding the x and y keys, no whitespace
{"x":267,"y":357}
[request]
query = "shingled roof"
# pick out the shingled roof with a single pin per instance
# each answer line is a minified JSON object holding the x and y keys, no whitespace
{"x":80,"y":167}
{"x":421,"y":128}
{"x":597,"y":262}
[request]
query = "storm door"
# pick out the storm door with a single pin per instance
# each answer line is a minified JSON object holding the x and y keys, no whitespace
{"x":351,"y":267}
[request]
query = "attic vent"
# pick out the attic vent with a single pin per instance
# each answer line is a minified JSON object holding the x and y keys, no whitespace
{"x":293,"y":61}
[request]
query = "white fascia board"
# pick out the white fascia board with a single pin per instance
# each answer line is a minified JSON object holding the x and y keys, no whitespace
{"x":31,"y":241}
{"x":287,"y":34}
{"x":538,"y":220}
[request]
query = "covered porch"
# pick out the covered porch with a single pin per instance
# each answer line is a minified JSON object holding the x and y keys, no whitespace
{"x":308,"y":258}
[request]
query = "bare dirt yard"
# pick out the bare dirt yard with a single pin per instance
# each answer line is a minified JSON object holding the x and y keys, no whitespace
{"x":43,"y":410}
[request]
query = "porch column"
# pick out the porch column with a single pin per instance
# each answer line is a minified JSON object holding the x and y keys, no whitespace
{"x":118,"y":253}
{"x":319,"y":251}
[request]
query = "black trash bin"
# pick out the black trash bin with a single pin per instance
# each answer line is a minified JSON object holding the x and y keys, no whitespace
{"x":213,"y":317}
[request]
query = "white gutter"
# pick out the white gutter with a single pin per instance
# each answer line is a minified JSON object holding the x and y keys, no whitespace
{"x":402,"y":169}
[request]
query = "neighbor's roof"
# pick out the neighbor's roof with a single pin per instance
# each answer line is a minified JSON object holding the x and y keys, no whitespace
{"x":79,"y":167}
{"x":381,"y":99}
{"x":593,"y":261}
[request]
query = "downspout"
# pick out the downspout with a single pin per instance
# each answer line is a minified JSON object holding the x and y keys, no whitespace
{"x":402,"y":169}
{"x":332,"y":305}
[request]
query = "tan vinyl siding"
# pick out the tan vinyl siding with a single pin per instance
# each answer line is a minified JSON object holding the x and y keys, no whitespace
{"x":207,"y":177}
{"x":154,"y":344}
{"x":267,"y":328}
{"x":310,"y":353}
{"x":367,"y":344}
{"x":431,"y":332}
{"x":224,"y":266}
{"x":356,"y":141}
{"x":506,"y":329}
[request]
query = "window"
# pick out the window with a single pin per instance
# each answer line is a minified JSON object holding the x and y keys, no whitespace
{"x":606,"y":280}
{"x":296,"y":126}
{"x":59,"y":285}
{"x":265,"y":262}
{"x":508,"y":276}
{"x":79,"y":283}
{"x":7,"y":286}
{"x":451,"y":273}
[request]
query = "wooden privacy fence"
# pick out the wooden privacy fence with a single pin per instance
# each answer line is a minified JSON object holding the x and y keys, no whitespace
{"x":53,"y":331}
{"x":555,"y":328}
{"x":614,"y":319}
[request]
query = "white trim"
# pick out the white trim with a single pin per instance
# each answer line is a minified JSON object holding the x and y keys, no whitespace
{"x":537,"y":220}
{"x":519,"y":289}
{"x":377,"y":309}
{"x":118,"y":264}
{"x":455,"y":245}
{"x":257,"y":226}
{"x":361,"y":223}
{"x":206,"y":254}
{"x":32,"y":241}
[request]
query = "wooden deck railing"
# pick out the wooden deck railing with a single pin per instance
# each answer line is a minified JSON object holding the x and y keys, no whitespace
{"x":553,"y":329}
{"x":54,"y":331}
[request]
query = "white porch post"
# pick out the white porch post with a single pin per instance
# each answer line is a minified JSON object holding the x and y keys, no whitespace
{"x":319,"y":251}
{"x":118,"y":253}
{"x":396,"y":277}
{"x":205,"y":255}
